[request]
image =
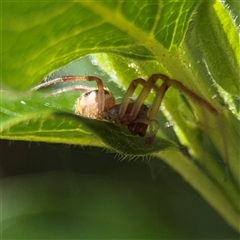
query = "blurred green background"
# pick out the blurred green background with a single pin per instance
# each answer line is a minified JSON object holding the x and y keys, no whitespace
{"x":53,"y":191}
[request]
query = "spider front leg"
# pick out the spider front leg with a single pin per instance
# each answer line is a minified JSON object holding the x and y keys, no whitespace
{"x":101,"y":92}
{"x":81,"y":88}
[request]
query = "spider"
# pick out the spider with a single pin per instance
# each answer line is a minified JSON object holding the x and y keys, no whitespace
{"x":99,"y":103}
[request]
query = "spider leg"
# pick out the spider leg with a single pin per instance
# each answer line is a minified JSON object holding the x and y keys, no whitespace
{"x":178,"y":85}
{"x":168,"y":82}
{"x":127,"y":97}
{"x":46,"y":84}
{"x":101,"y":93}
{"x":153,"y":128}
{"x":142,"y":96}
{"x":157,"y":102}
{"x":138,"y":128}
{"x":192,"y":95}
{"x":151,"y":122}
{"x":69,"y":89}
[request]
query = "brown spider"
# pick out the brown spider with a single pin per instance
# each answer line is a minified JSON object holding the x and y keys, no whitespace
{"x":99,"y":103}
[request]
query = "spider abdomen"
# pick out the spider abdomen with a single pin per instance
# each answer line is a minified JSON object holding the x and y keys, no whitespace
{"x":87,"y":104}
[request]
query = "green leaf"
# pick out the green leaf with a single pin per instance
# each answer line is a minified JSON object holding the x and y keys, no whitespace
{"x":173,"y":23}
{"x":138,"y":39}
{"x":42,"y":40}
{"x":50,"y":120}
{"x":219,"y":41}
